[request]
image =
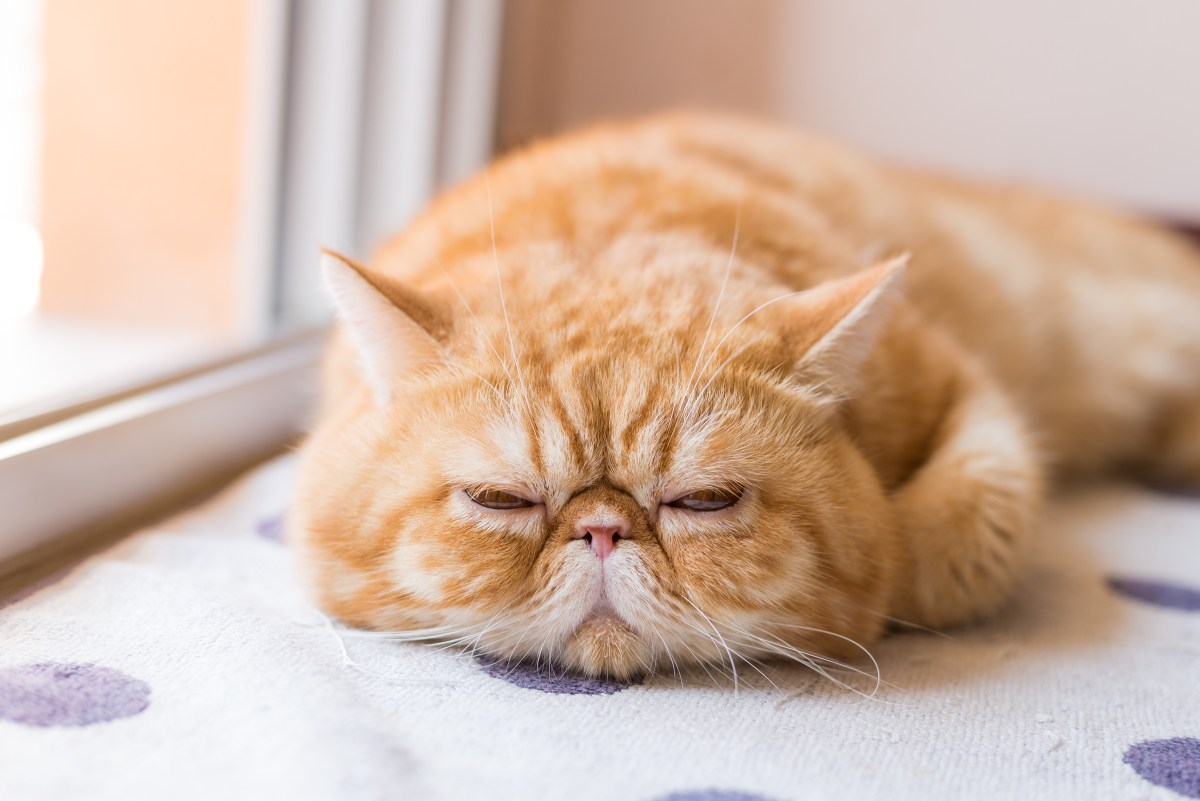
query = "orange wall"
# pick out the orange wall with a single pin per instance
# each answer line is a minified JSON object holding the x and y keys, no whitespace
{"x":144,"y":119}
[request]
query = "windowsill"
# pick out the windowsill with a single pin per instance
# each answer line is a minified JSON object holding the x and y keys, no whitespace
{"x":43,"y":357}
{"x":77,"y":476}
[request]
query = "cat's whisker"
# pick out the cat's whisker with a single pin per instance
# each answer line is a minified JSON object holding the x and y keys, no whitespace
{"x":742,"y":349}
{"x":647,"y":665}
{"x":537,"y":659}
{"x":707,"y":619}
{"x":750,"y":662}
{"x":515,"y":650}
{"x":496,"y":390}
{"x":349,"y":661}
{"x":667,"y":650}
{"x":737,"y":227}
{"x":488,"y":625}
{"x":808,"y":659}
{"x":446,"y":645}
{"x":722,"y":671}
{"x":875,"y":677}
{"x":754,"y":663}
{"x":804,"y":658}
{"x":483,"y":331}
{"x":414,"y":635}
{"x":487,"y":183}
{"x":466,"y":647}
{"x":717,"y":348}
{"x":444,"y":637}
{"x":811,"y":656}
{"x":471,"y":649}
{"x":908,"y":623}
{"x":676,"y":670}
{"x":844,"y":638}
{"x":698,"y":661}
{"x":505,"y":629}
{"x":458,"y":649}
{"x":834,"y":664}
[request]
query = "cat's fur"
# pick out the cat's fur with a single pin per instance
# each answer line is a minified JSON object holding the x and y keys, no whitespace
{"x":610,"y":320}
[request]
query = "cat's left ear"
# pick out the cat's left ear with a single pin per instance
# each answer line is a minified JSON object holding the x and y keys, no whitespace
{"x":392,"y":328}
{"x":836,"y":324}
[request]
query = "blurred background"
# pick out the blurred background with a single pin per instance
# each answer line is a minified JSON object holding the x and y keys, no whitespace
{"x":168,"y":170}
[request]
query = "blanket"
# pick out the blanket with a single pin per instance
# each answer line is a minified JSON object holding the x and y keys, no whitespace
{"x":187,"y":662}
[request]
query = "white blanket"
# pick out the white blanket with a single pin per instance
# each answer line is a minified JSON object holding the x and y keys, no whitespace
{"x":187,"y":664}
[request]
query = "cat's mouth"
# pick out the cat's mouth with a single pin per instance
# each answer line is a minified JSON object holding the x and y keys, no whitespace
{"x":604,"y":644}
{"x":602,"y":615}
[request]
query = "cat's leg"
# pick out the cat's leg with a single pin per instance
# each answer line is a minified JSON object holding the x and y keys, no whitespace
{"x":966,"y":516}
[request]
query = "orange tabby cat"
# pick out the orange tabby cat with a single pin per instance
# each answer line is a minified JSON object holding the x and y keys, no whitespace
{"x":667,"y":392}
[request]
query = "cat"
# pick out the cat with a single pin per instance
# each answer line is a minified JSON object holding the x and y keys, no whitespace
{"x":701,"y":389}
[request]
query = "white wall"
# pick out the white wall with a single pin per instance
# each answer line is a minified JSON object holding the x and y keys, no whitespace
{"x":1097,"y":97}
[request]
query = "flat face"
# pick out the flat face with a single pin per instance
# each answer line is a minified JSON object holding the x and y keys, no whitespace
{"x":606,"y":469}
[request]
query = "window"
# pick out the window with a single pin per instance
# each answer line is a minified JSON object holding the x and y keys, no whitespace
{"x":172,"y":172}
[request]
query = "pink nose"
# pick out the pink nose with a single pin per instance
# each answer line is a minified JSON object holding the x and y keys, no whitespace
{"x":602,"y":535}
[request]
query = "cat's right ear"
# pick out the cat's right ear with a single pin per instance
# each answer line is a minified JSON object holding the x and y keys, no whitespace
{"x":390,"y":327}
{"x":836,"y":324}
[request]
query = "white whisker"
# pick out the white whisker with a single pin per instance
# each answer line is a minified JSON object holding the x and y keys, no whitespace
{"x":844,"y":638}
{"x":737,"y":227}
{"x":717,"y":348}
{"x":348,"y":661}
{"x":707,"y":619}
{"x":470,"y":311}
{"x":500,"y":287}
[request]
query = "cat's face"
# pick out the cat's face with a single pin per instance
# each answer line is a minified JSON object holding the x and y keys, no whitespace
{"x":608,"y":488}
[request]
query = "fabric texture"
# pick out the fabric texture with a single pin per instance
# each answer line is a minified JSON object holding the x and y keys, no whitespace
{"x":188,"y":663}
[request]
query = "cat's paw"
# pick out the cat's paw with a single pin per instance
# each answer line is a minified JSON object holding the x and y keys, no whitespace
{"x":966,"y":541}
{"x":967,"y":515}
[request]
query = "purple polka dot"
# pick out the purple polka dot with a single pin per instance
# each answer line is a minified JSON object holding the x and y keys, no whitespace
{"x":713,"y":795}
{"x":550,"y":680}
{"x":271,"y":528}
{"x":1173,"y":596}
{"x":1173,"y":763}
{"x":69,"y":694}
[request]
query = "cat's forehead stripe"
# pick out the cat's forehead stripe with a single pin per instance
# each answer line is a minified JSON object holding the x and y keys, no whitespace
{"x":639,"y":420}
{"x":574,"y":439}
{"x":666,"y":445}
{"x":532,"y":436}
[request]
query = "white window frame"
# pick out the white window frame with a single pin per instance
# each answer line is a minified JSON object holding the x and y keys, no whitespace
{"x":359,"y":112}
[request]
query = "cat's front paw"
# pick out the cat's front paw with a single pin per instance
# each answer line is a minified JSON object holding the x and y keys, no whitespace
{"x":966,"y":531}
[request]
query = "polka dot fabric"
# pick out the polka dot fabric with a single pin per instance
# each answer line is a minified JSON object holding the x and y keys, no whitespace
{"x":58,"y":694}
{"x":1172,"y":763}
{"x":547,"y":679}
{"x":189,"y":663}
{"x":271,"y":528}
{"x":1158,"y":593}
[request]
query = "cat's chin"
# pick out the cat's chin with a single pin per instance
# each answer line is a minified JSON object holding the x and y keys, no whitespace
{"x":604,"y":645}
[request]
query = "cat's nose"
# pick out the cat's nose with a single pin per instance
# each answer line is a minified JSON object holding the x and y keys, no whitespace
{"x":602,"y":534}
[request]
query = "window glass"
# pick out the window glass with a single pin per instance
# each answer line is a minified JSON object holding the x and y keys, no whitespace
{"x":124,"y":186}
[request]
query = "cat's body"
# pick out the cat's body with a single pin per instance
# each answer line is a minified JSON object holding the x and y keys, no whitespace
{"x":637,"y":334}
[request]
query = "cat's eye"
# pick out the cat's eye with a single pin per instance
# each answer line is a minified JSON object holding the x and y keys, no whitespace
{"x":498,"y":499}
{"x":707,"y":500}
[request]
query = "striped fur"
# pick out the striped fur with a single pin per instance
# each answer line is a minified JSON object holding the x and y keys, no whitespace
{"x":607,"y":321}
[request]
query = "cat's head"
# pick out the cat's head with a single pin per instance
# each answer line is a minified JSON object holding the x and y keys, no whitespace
{"x":612,"y":466}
